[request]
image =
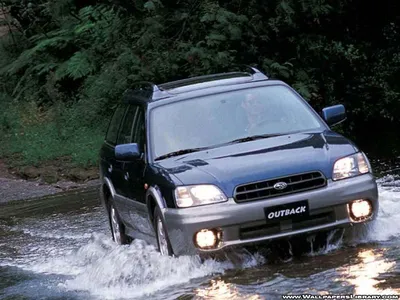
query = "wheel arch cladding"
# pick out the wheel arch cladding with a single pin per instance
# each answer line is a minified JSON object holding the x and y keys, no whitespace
{"x":153,"y":199}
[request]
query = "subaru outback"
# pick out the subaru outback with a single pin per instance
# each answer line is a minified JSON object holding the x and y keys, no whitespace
{"x":200,"y":165}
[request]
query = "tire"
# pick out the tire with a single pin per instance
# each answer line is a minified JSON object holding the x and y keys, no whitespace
{"x":117,"y":228}
{"x":164,"y":245}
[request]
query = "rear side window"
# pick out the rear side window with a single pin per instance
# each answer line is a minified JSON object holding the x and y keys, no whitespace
{"x":125,"y":134}
{"x":112,"y":132}
{"x":139,"y":130}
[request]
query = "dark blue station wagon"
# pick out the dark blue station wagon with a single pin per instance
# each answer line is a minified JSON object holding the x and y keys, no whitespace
{"x":203,"y":164}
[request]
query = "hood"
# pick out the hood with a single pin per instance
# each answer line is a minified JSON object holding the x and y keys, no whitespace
{"x":231,"y":165}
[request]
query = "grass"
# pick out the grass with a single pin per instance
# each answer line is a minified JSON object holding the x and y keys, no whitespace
{"x":29,"y":138}
{"x":43,"y":143}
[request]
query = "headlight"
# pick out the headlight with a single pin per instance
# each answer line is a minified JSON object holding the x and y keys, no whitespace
{"x":351,"y":166}
{"x":195,"y":195}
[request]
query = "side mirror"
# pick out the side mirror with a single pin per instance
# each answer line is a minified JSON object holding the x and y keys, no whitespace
{"x":334,"y":115}
{"x":127,"y":152}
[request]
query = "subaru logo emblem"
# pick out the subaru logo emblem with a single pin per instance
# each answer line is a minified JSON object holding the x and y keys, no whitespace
{"x":280,"y":186}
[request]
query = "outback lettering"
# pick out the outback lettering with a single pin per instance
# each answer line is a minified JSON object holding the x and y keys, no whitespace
{"x":287,"y":212}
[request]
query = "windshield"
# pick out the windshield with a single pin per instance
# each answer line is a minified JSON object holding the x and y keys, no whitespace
{"x":221,"y":118}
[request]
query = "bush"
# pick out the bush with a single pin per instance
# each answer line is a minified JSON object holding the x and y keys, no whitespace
{"x":66,"y":63}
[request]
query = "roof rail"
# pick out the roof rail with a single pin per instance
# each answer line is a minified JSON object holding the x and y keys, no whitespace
{"x":257,"y":74}
{"x":147,"y":90}
{"x":226,"y":73}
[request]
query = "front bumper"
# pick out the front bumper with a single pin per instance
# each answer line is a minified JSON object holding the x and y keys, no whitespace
{"x":245,"y":223}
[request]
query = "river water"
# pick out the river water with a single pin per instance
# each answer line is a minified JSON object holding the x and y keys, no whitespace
{"x":60,"y":248}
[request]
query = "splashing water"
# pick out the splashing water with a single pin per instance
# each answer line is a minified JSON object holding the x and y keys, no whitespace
{"x":131,"y":271}
{"x":109,"y":271}
{"x":387,"y":224}
{"x":334,"y":240}
{"x":139,"y":270}
{"x":81,"y":255}
{"x":96,"y":265}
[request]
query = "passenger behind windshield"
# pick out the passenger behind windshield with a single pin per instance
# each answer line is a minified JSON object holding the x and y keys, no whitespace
{"x":254,"y":111}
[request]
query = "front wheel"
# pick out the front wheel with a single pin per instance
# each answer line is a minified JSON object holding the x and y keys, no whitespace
{"x":164,"y":246}
{"x":117,"y":228}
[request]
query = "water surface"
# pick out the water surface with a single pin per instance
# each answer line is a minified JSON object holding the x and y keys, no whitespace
{"x":59,"y":247}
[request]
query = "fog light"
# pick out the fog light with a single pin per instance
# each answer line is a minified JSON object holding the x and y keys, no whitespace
{"x":360,"y":210}
{"x":206,"y":239}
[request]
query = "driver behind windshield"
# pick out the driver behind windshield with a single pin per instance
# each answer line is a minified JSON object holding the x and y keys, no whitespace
{"x":254,"y":111}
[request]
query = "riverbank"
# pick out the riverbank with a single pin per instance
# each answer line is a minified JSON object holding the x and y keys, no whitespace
{"x":27,"y":182}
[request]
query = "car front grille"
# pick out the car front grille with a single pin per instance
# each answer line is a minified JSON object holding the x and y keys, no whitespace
{"x":265,"y":189}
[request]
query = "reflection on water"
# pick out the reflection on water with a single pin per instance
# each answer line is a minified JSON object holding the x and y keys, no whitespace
{"x":219,"y":289}
{"x":364,"y":275}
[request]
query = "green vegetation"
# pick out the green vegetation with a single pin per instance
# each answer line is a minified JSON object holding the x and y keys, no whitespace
{"x":65,"y":63}
{"x":38,"y":136}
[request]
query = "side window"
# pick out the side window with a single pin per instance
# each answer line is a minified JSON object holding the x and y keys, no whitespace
{"x":139,"y":130}
{"x":112,"y":131}
{"x":125,"y":134}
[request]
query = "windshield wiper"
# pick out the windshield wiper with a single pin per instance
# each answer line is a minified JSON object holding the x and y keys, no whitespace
{"x":253,"y":138}
{"x":179,"y":152}
{"x":191,"y":150}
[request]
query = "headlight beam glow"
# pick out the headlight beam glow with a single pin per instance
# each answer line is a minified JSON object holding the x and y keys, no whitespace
{"x":196,"y":195}
{"x":350,"y":166}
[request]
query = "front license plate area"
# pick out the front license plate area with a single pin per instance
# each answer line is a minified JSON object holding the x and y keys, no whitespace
{"x":295,"y":211}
